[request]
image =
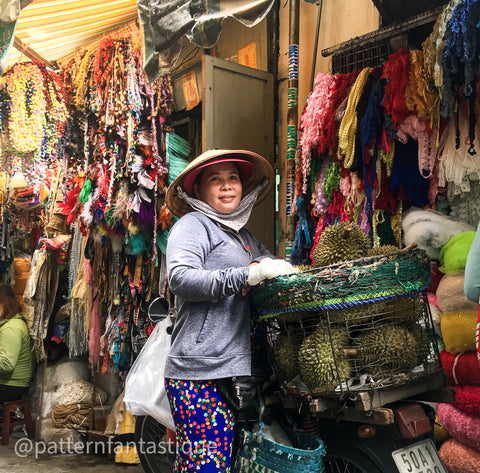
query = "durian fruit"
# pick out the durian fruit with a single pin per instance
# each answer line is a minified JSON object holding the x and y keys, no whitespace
{"x":386,"y":351}
{"x":285,"y":354}
{"x":403,"y":311}
{"x":383,"y":250}
{"x":395,"y":311}
{"x":340,"y":242}
{"x":302,"y":267}
{"x":317,"y":361}
{"x":406,"y":310}
{"x":357,"y":314}
{"x":423,"y":343}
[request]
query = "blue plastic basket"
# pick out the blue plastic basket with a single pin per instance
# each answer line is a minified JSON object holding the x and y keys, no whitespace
{"x":259,"y":454}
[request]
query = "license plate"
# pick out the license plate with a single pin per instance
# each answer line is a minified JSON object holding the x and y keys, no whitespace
{"x":421,"y":457}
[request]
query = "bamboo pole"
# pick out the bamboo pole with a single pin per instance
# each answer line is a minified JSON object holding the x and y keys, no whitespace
{"x":292,"y":122}
{"x":26,"y":50}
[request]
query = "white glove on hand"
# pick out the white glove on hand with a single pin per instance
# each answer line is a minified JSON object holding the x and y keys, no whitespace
{"x":269,"y":268}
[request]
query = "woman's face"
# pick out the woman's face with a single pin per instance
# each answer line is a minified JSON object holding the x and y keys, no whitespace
{"x":220,"y":187}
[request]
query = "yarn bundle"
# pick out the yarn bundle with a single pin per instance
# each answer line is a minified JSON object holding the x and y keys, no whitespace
{"x":458,"y":457}
{"x":457,"y":325}
{"x":404,"y":136}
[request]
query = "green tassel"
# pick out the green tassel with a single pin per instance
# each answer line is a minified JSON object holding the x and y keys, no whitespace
{"x":85,"y":192}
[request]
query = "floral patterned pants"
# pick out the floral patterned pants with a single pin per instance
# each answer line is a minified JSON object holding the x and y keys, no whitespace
{"x":204,"y":426}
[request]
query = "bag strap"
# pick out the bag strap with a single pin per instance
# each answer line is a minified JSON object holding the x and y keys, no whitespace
{"x":172,"y":312}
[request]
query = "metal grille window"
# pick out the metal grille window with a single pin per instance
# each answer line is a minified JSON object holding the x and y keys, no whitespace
{"x":372,"y":49}
{"x":366,"y":55}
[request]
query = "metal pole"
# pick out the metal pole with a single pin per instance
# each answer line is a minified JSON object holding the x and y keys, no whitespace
{"x":315,"y":46}
{"x":292,"y":122}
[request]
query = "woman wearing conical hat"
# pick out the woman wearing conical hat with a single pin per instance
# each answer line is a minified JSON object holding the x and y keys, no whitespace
{"x":212,"y":260}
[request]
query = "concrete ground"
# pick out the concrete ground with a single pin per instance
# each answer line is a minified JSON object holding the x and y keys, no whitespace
{"x":20,"y":457}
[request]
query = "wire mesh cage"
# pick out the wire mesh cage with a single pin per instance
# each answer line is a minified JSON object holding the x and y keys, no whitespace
{"x":345,"y":284}
{"x":361,"y":348}
{"x":362,"y":325}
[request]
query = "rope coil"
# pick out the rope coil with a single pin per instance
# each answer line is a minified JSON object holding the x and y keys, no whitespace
{"x":73,"y":416}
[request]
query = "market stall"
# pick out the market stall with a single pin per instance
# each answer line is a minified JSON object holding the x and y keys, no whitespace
{"x":84,"y":160}
{"x":87,"y":152}
{"x":387,"y":156}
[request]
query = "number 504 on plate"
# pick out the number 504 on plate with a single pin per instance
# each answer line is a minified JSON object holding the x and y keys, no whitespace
{"x":421,"y":457}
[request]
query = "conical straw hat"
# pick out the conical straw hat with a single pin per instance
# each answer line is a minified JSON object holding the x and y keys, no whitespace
{"x":262,"y":170}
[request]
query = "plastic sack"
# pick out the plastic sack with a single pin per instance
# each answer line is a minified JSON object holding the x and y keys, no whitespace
{"x":458,"y":331}
{"x":450,"y":295}
{"x":430,"y":229}
{"x":453,"y":254}
{"x":144,"y":387}
{"x":69,"y":371}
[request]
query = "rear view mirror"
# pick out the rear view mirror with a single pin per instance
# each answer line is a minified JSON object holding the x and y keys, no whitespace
{"x":158,"y":309}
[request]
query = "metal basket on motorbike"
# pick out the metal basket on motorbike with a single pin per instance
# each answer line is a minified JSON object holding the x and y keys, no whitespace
{"x":358,"y":330}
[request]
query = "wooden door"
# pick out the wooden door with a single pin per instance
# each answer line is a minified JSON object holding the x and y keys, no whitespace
{"x":238,"y":113}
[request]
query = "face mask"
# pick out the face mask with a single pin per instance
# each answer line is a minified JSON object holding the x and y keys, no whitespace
{"x":234,"y":220}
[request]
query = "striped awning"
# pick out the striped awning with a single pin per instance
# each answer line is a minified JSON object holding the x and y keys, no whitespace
{"x":55,"y":29}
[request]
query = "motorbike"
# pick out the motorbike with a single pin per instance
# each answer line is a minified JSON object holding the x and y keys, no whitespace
{"x":399,"y":438}
{"x":378,"y":415}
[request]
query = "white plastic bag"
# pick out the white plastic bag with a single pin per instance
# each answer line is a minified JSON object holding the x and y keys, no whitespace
{"x":144,"y":387}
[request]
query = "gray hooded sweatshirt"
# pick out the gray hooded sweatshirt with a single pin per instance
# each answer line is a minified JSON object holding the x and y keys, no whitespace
{"x":207,"y":268}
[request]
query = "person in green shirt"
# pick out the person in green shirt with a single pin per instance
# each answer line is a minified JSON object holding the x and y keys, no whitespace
{"x":16,"y":356}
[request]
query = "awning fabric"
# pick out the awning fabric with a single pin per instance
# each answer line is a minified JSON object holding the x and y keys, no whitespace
{"x":7,"y":36}
{"x":10,"y":9}
{"x":9,"y":12}
{"x":164,"y":22}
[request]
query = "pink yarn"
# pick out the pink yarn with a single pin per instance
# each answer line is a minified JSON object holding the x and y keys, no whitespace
{"x":463,"y":427}
{"x":427,"y":150}
{"x":362,"y":221}
{"x":459,"y":458}
{"x":345,"y":185}
{"x":315,"y":114}
{"x":432,"y":299}
{"x":349,"y":188}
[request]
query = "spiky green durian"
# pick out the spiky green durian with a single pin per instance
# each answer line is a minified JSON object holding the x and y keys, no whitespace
{"x":388,"y":350}
{"x":294,"y":316}
{"x":422,"y":341}
{"x":344,"y":241}
{"x":393,"y":311}
{"x":302,"y":267}
{"x":285,"y":354}
{"x":317,"y":360}
{"x":383,"y":250}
